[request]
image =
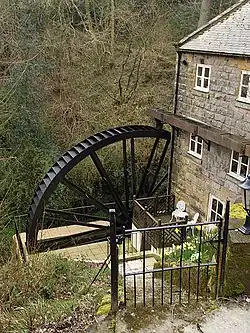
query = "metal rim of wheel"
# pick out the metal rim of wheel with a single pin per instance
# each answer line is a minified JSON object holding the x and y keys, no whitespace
{"x":89,"y":148}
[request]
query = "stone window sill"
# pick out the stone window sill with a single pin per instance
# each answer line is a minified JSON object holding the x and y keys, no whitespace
{"x":204,"y":90}
{"x":196,"y":158}
{"x":243,"y":100}
{"x":236,"y":178}
{"x":242,"y":104}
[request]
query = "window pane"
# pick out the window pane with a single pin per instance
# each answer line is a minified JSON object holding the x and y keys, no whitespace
{"x":213,"y":216}
{"x":245,"y":80}
{"x":205,"y":83}
{"x":192,"y":146}
{"x":199,"y":71}
{"x":198,"y":149}
{"x":214,"y":204}
{"x":207,"y":70}
{"x":243,"y":92}
{"x":198,"y":81}
{"x":220,"y":208}
{"x":243,"y":170}
{"x":235,"y":155}
{"x":199,"y":139}
{"x":244,"y":159}
{"x":234,"y":166}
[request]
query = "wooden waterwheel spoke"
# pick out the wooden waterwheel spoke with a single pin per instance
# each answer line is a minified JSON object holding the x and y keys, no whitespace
{"x":71,"y":214}
{"x":85,"y":194}
{"x":76,"y":221}
{"x":132,"y":147}
{"x":163,"y":178}
{"x":163,"y":154}
{"x":125,"y":172}
{"x":107,"y":180}
{"x":73,"y":240}
{"x":150,"y":159}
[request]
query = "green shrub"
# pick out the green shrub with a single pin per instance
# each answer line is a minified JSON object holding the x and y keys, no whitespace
{"x":237,"y":211}
{"x":190,"y":257}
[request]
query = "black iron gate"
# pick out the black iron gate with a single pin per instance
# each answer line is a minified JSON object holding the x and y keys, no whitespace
{"x":169,"y":264}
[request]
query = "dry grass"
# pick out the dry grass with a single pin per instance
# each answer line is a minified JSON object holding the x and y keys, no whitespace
{"x":49,"y":289}
{"x":60,"y":82}
{"x":84,"y":87}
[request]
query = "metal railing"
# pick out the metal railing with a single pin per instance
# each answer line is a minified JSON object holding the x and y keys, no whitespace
{"x":174,"y":277}
{"x":158,"y":205}
{"x":143,"y":210}
{"x":193,"y":270}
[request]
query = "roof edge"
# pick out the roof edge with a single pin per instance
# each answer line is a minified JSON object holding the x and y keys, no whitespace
{"x":210,"y":23}
{"x":229,"y":54}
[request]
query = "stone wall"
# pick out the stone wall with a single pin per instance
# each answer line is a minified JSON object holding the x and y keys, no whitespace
{"x":195,"y":180}
{"x":238,"y":264}
{"x":219,"y":107}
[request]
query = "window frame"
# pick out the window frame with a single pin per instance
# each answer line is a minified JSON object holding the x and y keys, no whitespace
{"x":237,"y":175}
{"x":202,"y":77}
{"x":196,"y":143}
{"x":213,"y":197}
{"x":240,"y":98}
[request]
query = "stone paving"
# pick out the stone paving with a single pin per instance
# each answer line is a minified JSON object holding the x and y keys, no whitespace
{"x":96,"y":252}
{"x":228,"y":318}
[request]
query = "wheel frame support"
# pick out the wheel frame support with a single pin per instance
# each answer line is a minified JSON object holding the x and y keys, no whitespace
{"x":114,"y":262}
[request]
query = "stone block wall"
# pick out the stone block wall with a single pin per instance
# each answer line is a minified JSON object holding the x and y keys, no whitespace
{"x":219,"y":107}
{"x":195,"y":180}
{"x":237,"y":275}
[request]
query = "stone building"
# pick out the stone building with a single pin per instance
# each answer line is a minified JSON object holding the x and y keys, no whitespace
{"x":211,"y":115}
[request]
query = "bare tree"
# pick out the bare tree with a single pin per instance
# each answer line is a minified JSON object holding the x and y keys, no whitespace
{"x":112,"y":21}
{"x":88,"y":15}
{"x":204,"y":13}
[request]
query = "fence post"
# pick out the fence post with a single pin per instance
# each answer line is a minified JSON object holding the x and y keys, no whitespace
{"x":224,"y":249}
{"x":114,"y":261}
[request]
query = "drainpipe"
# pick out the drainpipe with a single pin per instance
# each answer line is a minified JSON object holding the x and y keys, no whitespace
{"x":178,"y":62}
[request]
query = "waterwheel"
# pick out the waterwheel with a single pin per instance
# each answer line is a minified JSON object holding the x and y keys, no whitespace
{"x":135,"y":181}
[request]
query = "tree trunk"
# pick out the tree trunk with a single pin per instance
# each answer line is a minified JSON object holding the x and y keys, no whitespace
{"x":88,"y":15}
{"x":112,"y":20}
{"x":204,"y":13}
